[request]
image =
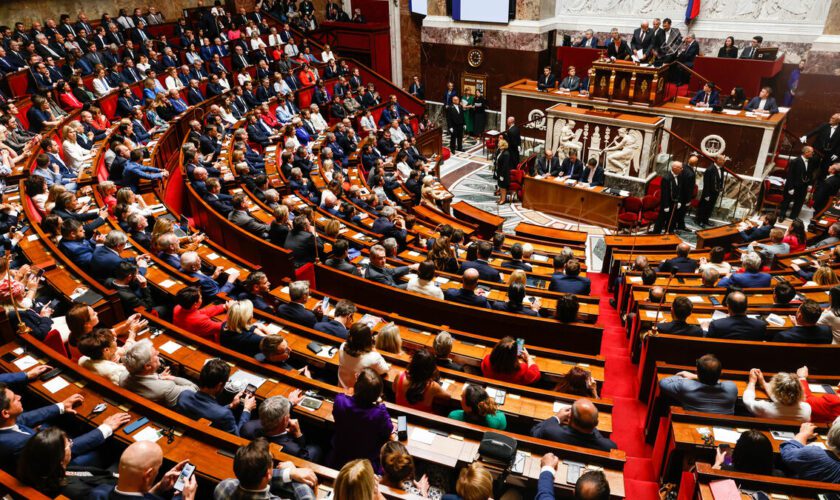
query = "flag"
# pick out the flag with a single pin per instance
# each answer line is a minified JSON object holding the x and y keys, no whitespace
{"x":692,"y":10}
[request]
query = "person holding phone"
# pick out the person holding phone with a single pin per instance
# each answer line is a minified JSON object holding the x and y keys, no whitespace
{"x":753,"y":454}
{"x":139,"y":466}
{"x":203,"y":403}
{"x":277,"y":426}
{"x":505,"y":363}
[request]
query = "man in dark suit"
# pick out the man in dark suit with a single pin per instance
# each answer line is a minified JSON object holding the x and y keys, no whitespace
{"x":707,"y":97}
{"x":642,"y":38}
{"x":752,"y":51}
{"x":763,"y":102}
{"x":416,"y":89}
{"x":74,"y":245}
{"x":238,"y":60}
{"x":712,"y":187}
{"x":455,"y":123}
{"x":737,"y":326}
{"x":576,"y":425}
{"x":390,"y":225}
{"x":547,"y":80}
{"x":681,"y":309}
{"x":571,"y":166}
{"x":194,"y":95}
{"x":296,"y":311}
{"x":106,"y":257}
{"x":688,"y":183}
{"x":515,"y":261}
{"x":242,"y":217}
{"x":486,"y":272}
{"x":547,"y":164}
{"x":140,"y":460}
{"x":827,"y":189}
{"x":514,"y":140}
{"x":568,"y":281}
{"x":797,"y":181}
{"x":210,"y":286}
{"x":467,"y":293}
{"x":442,"y":347}
{"x":303,"y":242}
{"x":588,"y":40}
{"x":826,"y":144}
{"x":379,"y":272}
{"x":277,"y":426}
{"x":806,"y":331}
{"x":681,"y":263}
{"x":340,"y":322}
{"x":18,"y":427}
{"x":203,"y":404}
{"x":217,"y":200}
{"x":593,"y":174}
{"x":761,"y":232}
{"x":670,"y":199}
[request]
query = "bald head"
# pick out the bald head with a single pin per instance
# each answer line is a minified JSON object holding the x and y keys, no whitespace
{"x":470,"y":279}
{"x":683,"y":249}
{"x":139,"y":467}
{"x":584,"y":416}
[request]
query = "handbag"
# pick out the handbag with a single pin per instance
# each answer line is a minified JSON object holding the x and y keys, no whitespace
{"x":497,"y":449}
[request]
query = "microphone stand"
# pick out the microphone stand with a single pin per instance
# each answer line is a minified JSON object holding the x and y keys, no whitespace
{"x":654,"y":329}
{"x":580,"y":213}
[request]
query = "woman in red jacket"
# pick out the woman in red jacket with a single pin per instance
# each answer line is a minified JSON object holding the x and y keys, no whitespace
{"x":189,"y":315}
{"x":505,"y":364}
{"x":824,"y":407}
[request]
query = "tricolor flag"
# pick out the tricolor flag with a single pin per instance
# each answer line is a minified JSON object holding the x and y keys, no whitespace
{"x":692,"y":10}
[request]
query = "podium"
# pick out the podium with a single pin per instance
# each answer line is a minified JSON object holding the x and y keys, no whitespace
{"x":627,"y":82}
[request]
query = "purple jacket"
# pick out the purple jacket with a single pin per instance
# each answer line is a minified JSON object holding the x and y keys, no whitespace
{"x":359,"y":432}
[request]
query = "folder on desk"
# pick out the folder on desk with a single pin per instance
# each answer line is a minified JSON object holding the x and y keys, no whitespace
{"x":725,"y":489}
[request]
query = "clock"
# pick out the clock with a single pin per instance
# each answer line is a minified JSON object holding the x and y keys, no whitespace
{"x":475,"y":57}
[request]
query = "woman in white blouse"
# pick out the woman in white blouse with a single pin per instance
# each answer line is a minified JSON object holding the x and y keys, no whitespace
{"x":785,"y":393}
{"x":256,"y":42}
{"x":75,"y":156}
{"x":100,"y":83}
{"x":358,"y":353}
{"x":274,"y":39}
{"x":715,"y":261}
{"x":223,"y":81}
{"x":368,"y":122}
{"x":317,"y":120}
{"x":327,"y":54}
{"x":424,"y":282}
{"x":226,"y":113}
{"x":243,"y":77}
{"x":101,"y":355}
{"x":143,"y":65}
{"x":831,"y":315}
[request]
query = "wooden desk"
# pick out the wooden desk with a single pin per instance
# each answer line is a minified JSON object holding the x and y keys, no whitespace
{"x":557,"y":236}
{"x":627,"y":82}
{"x":592,"y":206}
{"x":487,"y":223}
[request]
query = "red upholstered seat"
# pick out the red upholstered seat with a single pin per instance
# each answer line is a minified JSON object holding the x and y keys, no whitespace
{"x":517,"y":178}
{"x":54,"y":340}
{"x":630,"y":212}
{"x":769,"y":198}
{"x":650,"y":209}
{"x":654,"y":185}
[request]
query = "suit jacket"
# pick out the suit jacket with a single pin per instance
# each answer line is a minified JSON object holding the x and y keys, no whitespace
{"x":455,"y":117}
{"x":296,"y":313}
{"x":680,"y":328}
{"x":486,"y":272}
{"x":670,"y":192}
{"x":700,"y":96}
{"x":165,"y":392}
{"x":817,"y":334}
{"x":463,"y":296}
{"x":569,"y":284}
{"x":638,"y":43}
{"x":681,"y":264}
{"x":598,"y":178}
{"x":688,"y":181}
{"x":244,"y":220}
{"x":749,"y":52}
{"x":571,"y":168}
{"x":712,"y":182}
{"x":545,"y":167}
{"x":591,"y":43}
{"x":746,"y":280}
{"x":209,"y":286}
{"x":758,"y":233}
{"x":694,"y":395}
{"x":547,"y":82}
{"x":769,"y":105}
{"x":332,"y":327}
{"x":343,"y":265}
{"x":551,"y":429}
{"x":387,"y":275}
{"x":104,"y":262}
{"x":738,"y":328}
{"x":825,"y":142}
{"x":388,"y":229}
{"x":797,"y":177}
{"x":687,"y":55}
{"x":303,"y":246}
{"x":620,"y":52}
{"x":517,"y":264}
{"x":201,"y":405}
{"x":80,"y":252}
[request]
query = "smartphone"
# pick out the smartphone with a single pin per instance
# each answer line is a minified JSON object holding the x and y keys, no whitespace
{"x":50,"y":374}
{"x":140,"y":422}
{"x":23,"y":229}
{"x":186,"y":473}
{"x":250,"y":389}
{"x":520,"y":344}
{"x":311,"y":403}
{"x":572,"y":473}
{"x":315,"y":347}
{"x":325,"y":303}
{"x":714,"y":301}
{"x":727,"y":449}
{"x":39,"y":273}
{"x":9,"y":357}
{"x":402,"y":428}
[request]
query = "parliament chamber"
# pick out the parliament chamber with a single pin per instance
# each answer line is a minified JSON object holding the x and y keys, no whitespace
{"x":359,"y":249}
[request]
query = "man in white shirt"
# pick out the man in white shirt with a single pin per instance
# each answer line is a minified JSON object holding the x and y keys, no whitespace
{"x":317,"y":120}
{"x":172,"y":81}
{"x":397,"y":135}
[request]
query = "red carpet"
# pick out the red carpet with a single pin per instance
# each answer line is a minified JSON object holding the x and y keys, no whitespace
{"x":621,"y":386}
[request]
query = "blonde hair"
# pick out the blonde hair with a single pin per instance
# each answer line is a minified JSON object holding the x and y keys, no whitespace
{"x":388,"y":339}
{"x":517,"y":276}
{"x":124,"y":195}
{"x":66,"y":131}
{"x":826,"y":276}
{"x":105,"y":187}
{"x":281,"y":213}
{"x":474,"y":483}
{"x":502,"y":144}
{"x":161,"y":227}
{"x":355,"y":481}
{"x":786,"y":389}
{"x":239,"y":317}
{"x":332,"y":228}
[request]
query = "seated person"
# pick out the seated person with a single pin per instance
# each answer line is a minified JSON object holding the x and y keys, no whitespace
{"x":682,"y":263}
{"x":576,"y":425}
{"x":256,"y":289}
{"x":74,"y":245}
{"x":568,"y":281}
{"x":275,"y":349}
{"x":515,"y":302}
{"x":142,"y":362}
{"x":515,"y":261}
{"x":442,"y":346}
{"x":506,"y":363}
{"x":342,"y":320}
{"x":296,"y":311}
{"x":467,"y":294}
{"x":191,"y":266}
{"x":18,"y":427}
{"x":139,"y":466}
{"x":477,"y":407}
{"x":737,"y":326}
{"x":707,"y":97}
{"x":783,"y":294}
{"x":763,"y":102}
{"x":681,"y":310}
{"x":703,"y":391}
{"x":568,"y":307}
{"x":255,"y":472}
{"x":418,"y":386}
{"x":357,"y":353}
{"x":776,"y":246}
{"x":785,"y":393}
{"x":806,"y":331}
{"x":277,"y":426}
{"x":752,"y":277}
{"x":106,"y":257}
{"x":753,"y":454}
{"x":189,"y":315}
{"x":203,"y":404}
{"x":240,"y":332}
{"x":303,"y":242}
{"x":424,"y":283}
{"x":762,"y":231}
{"x":338,"y":259}
{"x":101,"y":355}
{"x":811,"y":462}
{"x":378,"y":272}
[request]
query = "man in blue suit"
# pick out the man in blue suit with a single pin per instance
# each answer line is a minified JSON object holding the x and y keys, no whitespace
{"x":752,"y":277}
{"x":296,"y":311}
{"x":74,"y":245}
{"x":256,"y":288}
{"x":170,"y":249}
{"x":486,"y":272}
{"x":18,"y":426}
{"x":569,"y":281}
{"x":191,"y":266}
{"x":134,"y":171}
{"x":342,"y":320}
{"x":761,"y":232}
{"x":203,"y":404}
{"x":737,"y":326}
{"x":106,"y":257}
{"x":390,"y":226}
{"x":764,"y":102}
{"x":681,"y":263}
{"x":707,"y":97}
{"x":467,"y":294}
{"x":806,"y":331}
{"x":592,"y":485}
{"x":593,"y":174}
{"x":571,"y":166}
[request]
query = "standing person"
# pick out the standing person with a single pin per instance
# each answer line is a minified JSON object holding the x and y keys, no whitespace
{"x":688,"y":181}
{"x":712,"y":187}
{"x":467,"y":102}
{"x":479,"y":114}
{"x":514,"y":140}
{"x":455,"y":121}
{"x":503,"y":166}
{"x":670,"y":199}
{"x":827,"y":189}
{"x":826,"y":143}
{"x":796,"y":184}
{"x":793,"y":84}
{"x":449,"y":94}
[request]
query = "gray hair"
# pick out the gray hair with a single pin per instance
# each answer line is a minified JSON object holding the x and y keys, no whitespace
{"x":390,"y":244}
{"x":377,"y":250}
{"x":832,"y":439}
{"x":442,"y":344}
{"x":298,"y":290}
{"x":138,"y":356}
{"x":115,"y":238}
{"x":271,"y":195}
{"x":751,"y":261}
{"x":167,"y":240}
{"x":189,"y":259}
{"x":387,"y":211}
{"x":710,"y":276}
{"x":273,"y":410}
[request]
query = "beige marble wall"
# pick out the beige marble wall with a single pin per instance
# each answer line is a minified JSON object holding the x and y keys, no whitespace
{"x":410,"y":27}
{"x":832,"y":22}
{"x":528,"y":10}
{"x":492,"y":38}
{"x":437,"y":7}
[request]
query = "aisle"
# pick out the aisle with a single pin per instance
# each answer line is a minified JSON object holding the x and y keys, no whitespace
{"x":621,"y":386}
